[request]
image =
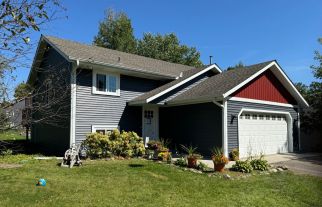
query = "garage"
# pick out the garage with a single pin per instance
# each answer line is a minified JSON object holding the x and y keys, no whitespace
{"x":265,"y":133}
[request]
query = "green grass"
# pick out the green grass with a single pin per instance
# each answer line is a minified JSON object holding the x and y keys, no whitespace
{"x":11,"y":135}
{"x":145,"y":183}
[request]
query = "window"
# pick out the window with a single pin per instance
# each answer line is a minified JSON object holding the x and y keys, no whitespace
{"x":261,"y":117}
{"x":254,"y":116}
{"x":104,"y":129}
{"x":268,"y":117}
{"x":106,"y":83}
{"x":279,"y":118}
{"x":247,"y":116}
{"x":273,"y":117}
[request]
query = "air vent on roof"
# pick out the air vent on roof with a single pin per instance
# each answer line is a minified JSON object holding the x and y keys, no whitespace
{"x":210,"y":59}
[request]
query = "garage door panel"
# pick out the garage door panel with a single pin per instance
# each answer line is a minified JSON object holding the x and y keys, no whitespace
{"x":258,"y":136}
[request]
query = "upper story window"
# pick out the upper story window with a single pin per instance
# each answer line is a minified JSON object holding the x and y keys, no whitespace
{"x":106,"y":83}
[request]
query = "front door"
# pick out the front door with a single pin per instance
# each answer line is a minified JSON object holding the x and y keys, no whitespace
{"x":150,"y":120}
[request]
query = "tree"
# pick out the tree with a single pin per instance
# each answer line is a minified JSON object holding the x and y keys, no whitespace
{"x":311,"y":117}
{"x":22,"y":91}
{"x":116,"y":32}
{"x":168,"y":48}
{"x":238,"y":65}
{"x":18,"y":18}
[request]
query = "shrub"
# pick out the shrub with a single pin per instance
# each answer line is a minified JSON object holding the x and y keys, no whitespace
{"x":234,"y":154}
{"x":259,"y":164}
{"x":202,"y":166}
{"x":242,"y":166}
{"x":182,"y":162}
{"x":125,"y":144}
{"x":154,"y":145}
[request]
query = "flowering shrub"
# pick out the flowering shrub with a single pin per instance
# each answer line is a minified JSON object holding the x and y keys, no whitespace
{"x":234,"y":154}
{"x":125,"y":144}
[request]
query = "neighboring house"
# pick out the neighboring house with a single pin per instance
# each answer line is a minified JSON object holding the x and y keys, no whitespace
{"x":15,"y":113}
{"x":253,"y":108}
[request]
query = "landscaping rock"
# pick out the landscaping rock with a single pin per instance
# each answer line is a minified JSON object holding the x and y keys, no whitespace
{"x":226,"y":176}
{"x":194,"y":170}
{"x":279,"y":169}
{"x":284,"y":167}
{"x":273,"y":170}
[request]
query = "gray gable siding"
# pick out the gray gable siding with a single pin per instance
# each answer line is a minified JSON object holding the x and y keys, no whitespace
{"x":181,"y":89}
{"x":234,"y":107}
{"x":196,"y":124}
{"x":52,"y":134}
{"x":95,"y":109}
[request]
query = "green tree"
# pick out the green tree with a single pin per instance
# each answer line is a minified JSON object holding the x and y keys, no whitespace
{"x":168,"y":48}
{"x":238,"y":65}
{"x":116,"y":32}
{"x":22,"y":91}
{"x":311,"y":117}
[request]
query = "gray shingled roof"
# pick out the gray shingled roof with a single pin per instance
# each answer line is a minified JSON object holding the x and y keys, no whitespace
{"x":216,"y":86}
{"x":185,"y":75}
{"x":94,"y":54}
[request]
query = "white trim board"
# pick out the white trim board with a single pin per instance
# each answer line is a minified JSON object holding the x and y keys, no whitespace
{"x":104,"y":127}
{"x":287,"y":82}
{"x":261,"y":102}
{"x":289,"y":120}
{"x":214,"y":66}
{"x":73,"y":103}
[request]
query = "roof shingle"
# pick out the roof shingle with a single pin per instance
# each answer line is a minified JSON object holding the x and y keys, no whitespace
{"x":94,"y":54}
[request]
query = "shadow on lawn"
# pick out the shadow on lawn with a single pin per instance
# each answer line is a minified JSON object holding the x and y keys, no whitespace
{"x":136,"y":165}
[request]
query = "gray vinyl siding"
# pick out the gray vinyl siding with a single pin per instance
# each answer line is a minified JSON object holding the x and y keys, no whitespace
{"x":196,"y":124}
{"x":233,"y":109}
{"x":50,"y":128}
{"x":181,"y":89}
{"x":95,"y":109}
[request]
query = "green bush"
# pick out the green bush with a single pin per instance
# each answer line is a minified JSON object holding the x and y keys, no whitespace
{"x":182,"y":162}
{"x":202,"y":166}
{"x":125,"y":144}
{"x":242,"y":166}
{"x":259,"y":164}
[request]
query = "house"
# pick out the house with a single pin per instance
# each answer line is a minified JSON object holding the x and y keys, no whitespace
{"x":16,"y":113}
{"x":254,"y":108}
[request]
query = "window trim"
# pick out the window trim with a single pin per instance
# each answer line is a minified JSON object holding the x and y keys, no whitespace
{"x":104,"y":127}
{"x":107,"y":74}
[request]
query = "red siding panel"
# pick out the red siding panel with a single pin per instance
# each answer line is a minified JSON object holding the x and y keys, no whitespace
{"x":266,"y":87}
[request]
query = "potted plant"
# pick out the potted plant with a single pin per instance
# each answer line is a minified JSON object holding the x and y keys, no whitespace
{"x":219,"y":159}
{"x":192,"y":155}
{"x":154,"y":146}
{"x":165,"y":156}
{"x":234,"y":154}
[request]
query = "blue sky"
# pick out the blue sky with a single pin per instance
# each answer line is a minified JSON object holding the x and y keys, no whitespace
{"x":250,"y":31}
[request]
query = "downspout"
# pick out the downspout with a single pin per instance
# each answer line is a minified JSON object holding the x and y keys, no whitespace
{"x":224,"y":125}
{"x":75,"y":65}
{"x":299,"y":128}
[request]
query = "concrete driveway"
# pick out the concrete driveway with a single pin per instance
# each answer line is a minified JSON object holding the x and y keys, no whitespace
{"x":306,"y":163}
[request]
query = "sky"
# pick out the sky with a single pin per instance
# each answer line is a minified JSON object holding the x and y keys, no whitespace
{"x":250,"y":31}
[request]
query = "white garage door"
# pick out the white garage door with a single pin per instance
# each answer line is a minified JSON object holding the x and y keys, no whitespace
{"x":262,"y":133}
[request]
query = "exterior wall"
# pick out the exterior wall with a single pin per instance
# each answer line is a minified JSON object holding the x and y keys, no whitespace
{"x":52,"y":134}
{"x":196,"y":124}
{"x":14,"y":113}
{"x":96,"y":109}
{"x":266,"y":87}
{"x":181,"y":89}
{"x":233,"y":109}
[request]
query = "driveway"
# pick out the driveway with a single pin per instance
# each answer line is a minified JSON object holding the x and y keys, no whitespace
{"x":306,"y":163}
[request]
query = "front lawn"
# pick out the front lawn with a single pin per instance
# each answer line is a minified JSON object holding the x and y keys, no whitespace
{"x":11,"y":135}
{"x":145,"y":183}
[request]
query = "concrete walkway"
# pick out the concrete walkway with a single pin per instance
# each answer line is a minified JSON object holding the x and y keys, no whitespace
{"x":305,"y":163}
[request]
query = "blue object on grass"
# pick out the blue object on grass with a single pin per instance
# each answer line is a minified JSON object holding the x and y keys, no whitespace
{"x":41,"y":182}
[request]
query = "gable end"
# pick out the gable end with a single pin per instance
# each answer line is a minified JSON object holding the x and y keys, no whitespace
{"x":266,"y":87}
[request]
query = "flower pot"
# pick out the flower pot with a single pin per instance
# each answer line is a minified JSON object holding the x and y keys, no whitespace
{"x":219,"y":167}
{"x":192,"y":162}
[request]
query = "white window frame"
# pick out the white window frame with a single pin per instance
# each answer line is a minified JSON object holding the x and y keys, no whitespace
{"x":107,"y":74}
{"x":104,"y":127}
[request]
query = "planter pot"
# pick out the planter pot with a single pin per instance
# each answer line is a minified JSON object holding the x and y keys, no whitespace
{"x":219,"y":167}
{"x":192,"y":162}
